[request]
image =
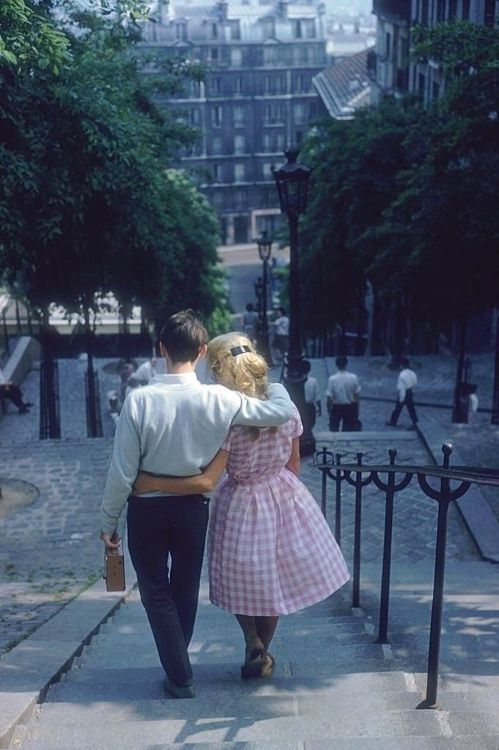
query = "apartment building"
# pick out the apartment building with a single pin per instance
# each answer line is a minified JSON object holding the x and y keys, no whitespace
{"x":257,"y":98}
{"x":392,"y":70}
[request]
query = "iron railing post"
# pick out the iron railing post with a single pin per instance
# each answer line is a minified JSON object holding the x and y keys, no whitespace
{"x":387,"y":555}
{"x":356,"y":543}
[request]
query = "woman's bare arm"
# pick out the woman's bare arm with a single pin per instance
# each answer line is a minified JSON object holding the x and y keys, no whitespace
{"x":294,"y":460}
{"x":194,"y":485}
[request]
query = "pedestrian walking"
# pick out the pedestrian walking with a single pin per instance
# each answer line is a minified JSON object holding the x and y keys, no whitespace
{"x":175,"y":426}
{"x":342,"y":398}
{"x":146,"y":371}
{"x":281,"y":332}
{"x":406,"y":382}
{"x":270,"y":550}
{"x":12,"y":392}
{"x":312,"y":400}
{"x":250,"y":321}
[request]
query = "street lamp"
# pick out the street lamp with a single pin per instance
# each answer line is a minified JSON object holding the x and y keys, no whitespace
{"x":264,"y":251}
{"x":292,"y":187}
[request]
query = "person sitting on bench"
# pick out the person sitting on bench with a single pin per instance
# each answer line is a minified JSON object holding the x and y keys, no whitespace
{"x":12,"y":392}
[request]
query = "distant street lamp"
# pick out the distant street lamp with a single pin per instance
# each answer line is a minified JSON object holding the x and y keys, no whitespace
{"x":264,"y":251}
{"x":292,"y":187}
{"x":259,"y":297}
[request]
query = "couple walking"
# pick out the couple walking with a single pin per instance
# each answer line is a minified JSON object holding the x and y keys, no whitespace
{"x":270,"y":552}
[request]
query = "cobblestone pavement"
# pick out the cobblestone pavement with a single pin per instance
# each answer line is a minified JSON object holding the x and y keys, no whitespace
{"x":50,"y":550}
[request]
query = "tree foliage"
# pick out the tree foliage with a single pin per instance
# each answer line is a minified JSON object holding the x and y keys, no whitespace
{"x":87,"y":202}
{"x":405,"y":196}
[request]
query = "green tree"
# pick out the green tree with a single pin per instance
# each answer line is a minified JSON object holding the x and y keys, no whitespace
{"x":88,"y":206}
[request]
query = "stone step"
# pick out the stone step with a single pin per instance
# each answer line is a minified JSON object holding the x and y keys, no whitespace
{"x":358,"y":743}
{"x":76,"y":726}
{"x":329,"y":655}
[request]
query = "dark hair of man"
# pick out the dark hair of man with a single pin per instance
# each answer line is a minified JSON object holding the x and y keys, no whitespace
{"x":183,"y":335}
{"x":341,"y":362}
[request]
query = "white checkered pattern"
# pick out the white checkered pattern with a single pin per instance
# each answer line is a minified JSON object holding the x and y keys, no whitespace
{"x":270,"y":550}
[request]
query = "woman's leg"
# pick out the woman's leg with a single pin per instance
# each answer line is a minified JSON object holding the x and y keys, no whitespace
{"x":266,"y":627}
{"x":251,"y":637}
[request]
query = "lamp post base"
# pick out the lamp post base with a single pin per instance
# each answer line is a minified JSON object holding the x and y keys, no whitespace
{"x":295,"y":386}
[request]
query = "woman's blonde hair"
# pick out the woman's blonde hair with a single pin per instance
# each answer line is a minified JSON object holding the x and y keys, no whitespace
{"x":237,"y":364}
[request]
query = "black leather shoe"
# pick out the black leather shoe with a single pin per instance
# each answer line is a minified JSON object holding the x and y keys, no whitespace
{"x":179,"y":691}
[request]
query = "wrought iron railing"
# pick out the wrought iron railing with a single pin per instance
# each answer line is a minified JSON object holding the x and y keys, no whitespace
{"x":384,"y":477}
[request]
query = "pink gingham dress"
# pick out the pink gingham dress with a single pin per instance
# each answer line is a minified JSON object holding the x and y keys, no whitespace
{"x":270,"y":551}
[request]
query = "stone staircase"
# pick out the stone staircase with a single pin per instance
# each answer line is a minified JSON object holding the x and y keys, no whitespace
{"x":333,"y":688}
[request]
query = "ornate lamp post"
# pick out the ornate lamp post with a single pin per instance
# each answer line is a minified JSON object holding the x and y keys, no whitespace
{"x":292,"y":187}
{"x":264,"y":251}
{"x":259,"y":297}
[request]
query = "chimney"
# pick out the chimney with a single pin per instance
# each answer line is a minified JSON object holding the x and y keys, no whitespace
{"x":223,"y":7}
{"x":283,"y":8}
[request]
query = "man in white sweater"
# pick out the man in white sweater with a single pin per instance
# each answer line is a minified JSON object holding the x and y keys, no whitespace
{"x":174,"y":426}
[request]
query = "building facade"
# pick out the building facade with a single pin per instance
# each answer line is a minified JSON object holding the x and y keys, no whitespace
{"x":391,"y":68}
{"x":256,"y":99}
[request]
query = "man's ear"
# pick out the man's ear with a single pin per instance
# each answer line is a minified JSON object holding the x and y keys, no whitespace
{"x":203,"y":350}
{"x":162,"y":349}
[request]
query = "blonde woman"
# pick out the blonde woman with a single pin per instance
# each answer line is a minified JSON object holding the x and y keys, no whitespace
{"x":270,"y":551}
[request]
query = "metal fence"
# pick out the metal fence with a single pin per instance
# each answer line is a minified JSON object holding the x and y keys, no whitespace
{"x":391,"y":480}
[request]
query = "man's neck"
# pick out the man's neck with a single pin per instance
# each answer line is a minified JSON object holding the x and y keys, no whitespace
{"x":179,"y":368}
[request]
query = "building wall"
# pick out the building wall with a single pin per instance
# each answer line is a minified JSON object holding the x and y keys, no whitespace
{"x":395,"y":73}
{"x":257,"y":99}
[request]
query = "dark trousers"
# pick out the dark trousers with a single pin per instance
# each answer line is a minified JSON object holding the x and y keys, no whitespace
{"x":409,"y":403}
{"x":344,"y":413}
{"x":13,"y":393}
{"x":159,"y":529}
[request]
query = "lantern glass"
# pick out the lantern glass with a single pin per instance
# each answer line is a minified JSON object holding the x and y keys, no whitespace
{"x":292,"y":184}
{"x":264,"y":243}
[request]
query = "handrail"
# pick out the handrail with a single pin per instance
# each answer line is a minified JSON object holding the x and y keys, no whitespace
{"x":360,"y":475}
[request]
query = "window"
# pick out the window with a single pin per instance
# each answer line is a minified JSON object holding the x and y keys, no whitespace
{"x":280,"y":142}
{"x":215,"y":86}
{"x":273,"y":114}
{"x":238,"y":116}
{"x":194,"y":89}
{"x":466,"y":10}
{"x":217,"y":173}
{"x":388,"y":45}
{"x":181,"y":31}
{"x":213,"y":31}
{"x":268,"y":28}
{"x":309,"y":29}
{"x":299,"y":113}
{"x":239,"y":201}
{"x":194,"y":116}
{"x":299,"y":83}
{"x":270,"y":55}
{"x":238,"y":85}
{"x":267,"y":170}
{"x":214,"y":54}
{"x":239,"y":144}
{"x":267,"y":142}
{"x":236,"y":57}
{"x":239,"y":172}
{"x":216,"y":116}
{"x":296,"y":29}
{"x":217,"y":145}
{"x":235,"y":30}
{"x":313,"y":110}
